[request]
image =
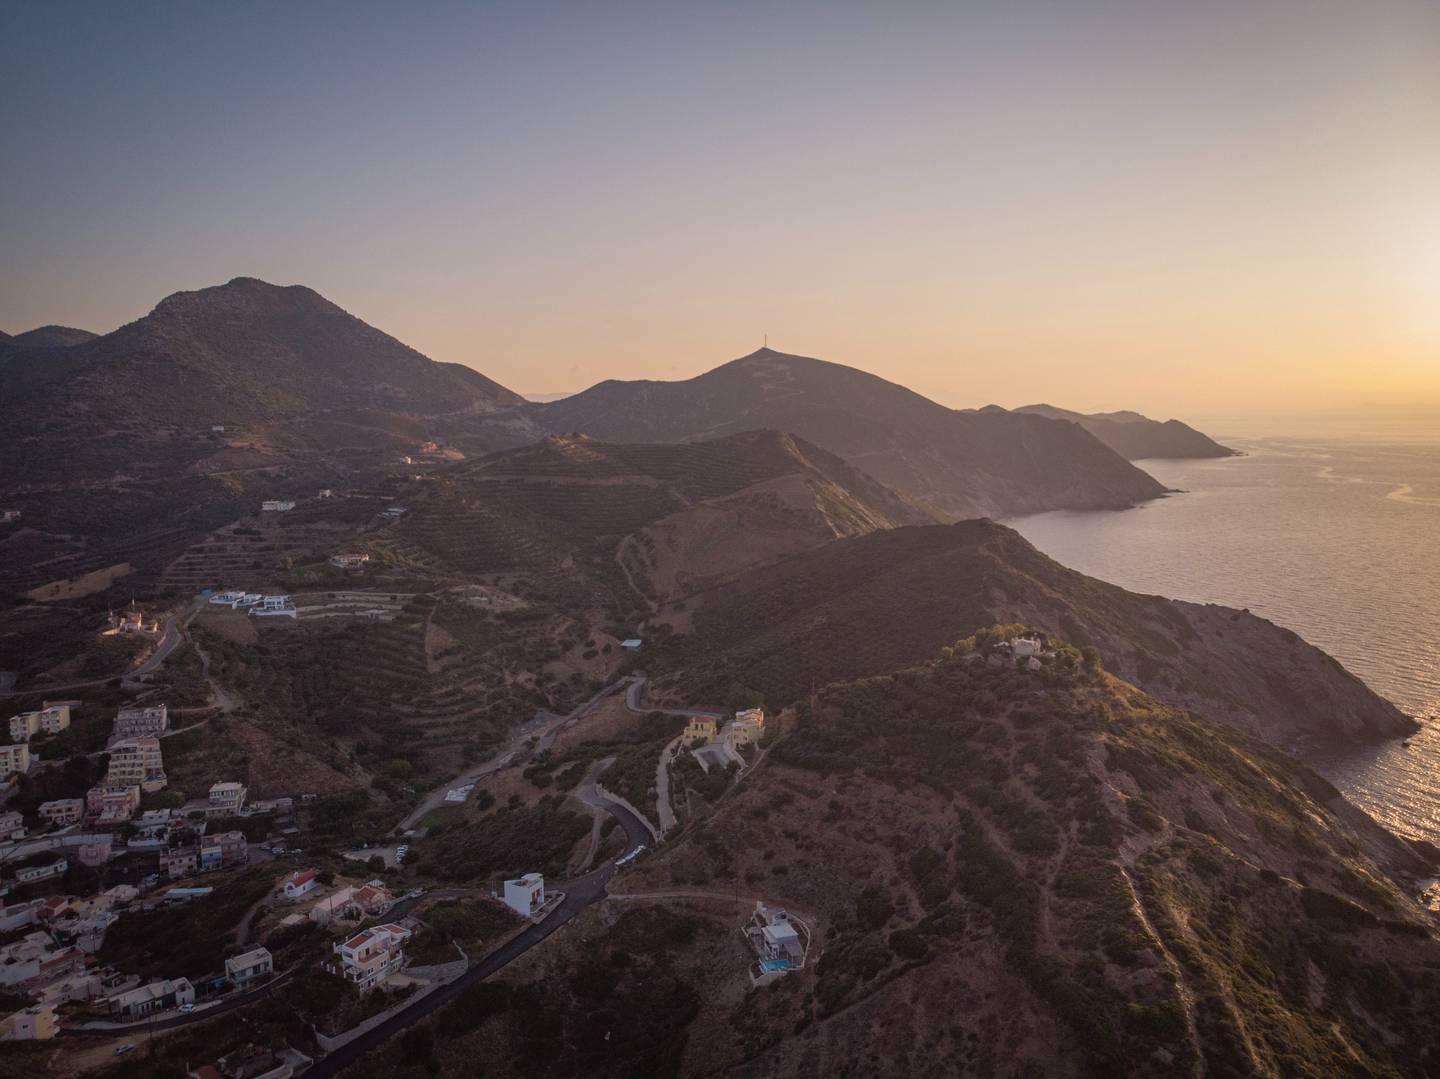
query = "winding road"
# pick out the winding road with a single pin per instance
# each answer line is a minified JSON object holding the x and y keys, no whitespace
{"x":580,"y":893}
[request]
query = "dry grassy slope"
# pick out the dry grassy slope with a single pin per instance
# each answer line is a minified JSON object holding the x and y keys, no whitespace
{"x":876,"y":602}
{"x":1017,"y":874}
{"x":727,"y":503}
{"x":960,"y":464}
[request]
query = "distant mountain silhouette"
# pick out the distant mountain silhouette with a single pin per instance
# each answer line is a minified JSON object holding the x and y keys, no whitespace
{"x":246,"y":353}
{"x":1136,"y":437}
{"x":960,"y":464}
{"x":46,"y":337}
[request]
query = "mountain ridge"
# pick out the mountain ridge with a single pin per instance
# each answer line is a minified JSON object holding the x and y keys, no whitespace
{"x":1136,"y":437}
{"x":959,"y":464}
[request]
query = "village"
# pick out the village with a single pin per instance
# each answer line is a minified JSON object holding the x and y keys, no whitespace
{"x":141,"y":860}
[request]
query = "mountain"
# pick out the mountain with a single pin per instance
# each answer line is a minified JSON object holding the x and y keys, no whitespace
{"x":1012,"y":874}
{"x":669,"y":517}
{"x":874,"y":603}
{"x":1136,"y":437}
{"x":282,"y":362}
{"x":46,"y":337}
{"x":959,"y":464}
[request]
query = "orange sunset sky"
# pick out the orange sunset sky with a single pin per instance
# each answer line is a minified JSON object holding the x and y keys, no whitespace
{"x":1190,"y":209}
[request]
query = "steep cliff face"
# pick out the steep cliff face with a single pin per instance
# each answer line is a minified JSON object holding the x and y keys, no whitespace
{"x":960,"y":464}
{"x":870,"y":604}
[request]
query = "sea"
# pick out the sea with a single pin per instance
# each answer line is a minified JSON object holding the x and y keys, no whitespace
{"x":1328,"y":527}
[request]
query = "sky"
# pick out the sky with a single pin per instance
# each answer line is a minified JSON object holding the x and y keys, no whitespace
{"x":1189,"y":209}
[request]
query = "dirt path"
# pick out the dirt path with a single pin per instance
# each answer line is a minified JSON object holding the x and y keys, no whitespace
{"x":1187,"y":999}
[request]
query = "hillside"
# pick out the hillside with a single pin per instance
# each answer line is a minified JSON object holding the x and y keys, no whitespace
{"x":244,"y":354}
{"x":1136,"y":437}
{"x":655,"y":519}
{"x":871,"y":604}
{"x":46,"y":337}
{"x":1001,"y":873}
{"x":960,"y":464}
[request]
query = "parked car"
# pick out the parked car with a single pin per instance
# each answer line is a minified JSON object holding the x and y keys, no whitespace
{"x":186,"y":1009}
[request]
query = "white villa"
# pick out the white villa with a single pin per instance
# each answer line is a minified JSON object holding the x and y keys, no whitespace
{"x":780,"y":941}
{"x":525,"y":895}
{"x":371,"y":956}
{"x":274,"y":606}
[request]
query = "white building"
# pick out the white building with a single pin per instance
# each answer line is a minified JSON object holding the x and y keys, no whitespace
{"x":12,"y":826}
{"x":226,"y":800}
{"x":31,"y":874}
{"x":51,"y":720}
{"x":274,"y":606}
{"x":525,"y":895}
{"x":247,"y":968}
{"x":136,"y":762}
{"x":148,"y":721}
{"x":276,"y":505}
{"x":168,"y":993}
{"x":299,"y":883}
{"x":14,"y":759}
{"x":62,"y":811}
{"x":371,"y":956}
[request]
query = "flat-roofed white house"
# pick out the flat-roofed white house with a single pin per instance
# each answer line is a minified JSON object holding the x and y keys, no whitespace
{"x":277,"y":505}
{"x":244,"y":969}
{"x":525,"y":895}
{"x":274,"y":606}
{"x":167,"y":993}
{"x":33,"y":873}
{"x":227,"y":799}
{"x":62,"y":811}
{"x":372,"y":955}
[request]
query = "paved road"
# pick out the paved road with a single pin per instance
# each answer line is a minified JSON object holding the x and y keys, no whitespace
{"x":632,"y":701}
{"x":236,"y":1000}
{"x":169,"y":640}
{"x":579,"y":894}
{"x":547,"y":727}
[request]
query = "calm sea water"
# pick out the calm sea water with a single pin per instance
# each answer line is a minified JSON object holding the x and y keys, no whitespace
{"x":1332,"y":529}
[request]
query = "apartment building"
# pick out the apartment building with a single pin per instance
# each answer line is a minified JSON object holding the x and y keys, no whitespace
{"x":62,"y":811}
{"x":112,"y":803}
{"x":226,"y":800}
{"x":137,"y":762}
{"x":49,"y":720}
{"x":14,"y":759}
{"x":150,"y":721}
{"x":12,"y":826}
